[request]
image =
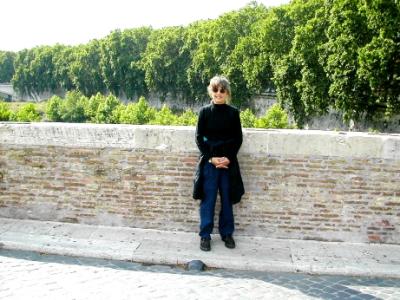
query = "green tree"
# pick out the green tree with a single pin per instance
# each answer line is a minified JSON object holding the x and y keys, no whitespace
{"x":195,"y":35}
{"x":347,"y":33}
{"x":5,"y":111}
{"x":164,"y":63}
{"x":269,"y":39}
{"x":317,"y":55}
{"x":104,"y":113}
{"x":27,"y":113}
{"x":164,"y":117}
{"x":74,"y":107}
{"x":275,"y":117}
{"x":6,"y":65}
{"x":211,"y":44}
{"x":120,"y":53}
{"x":36,"y":72}
{"x":295,"y":60}
{"x":63,"y":57}
{"x":285,"y":73}
{"x":247,"y":118}
{"x":53,"y":109}
{"x":137,"y":113}
{"x":187,"y":118}
{"x":93,"y":105}
{"x":311,"y":82}
{"x":41,"y":69}
{"x":379,"y":60}
{"x":23,"y":80}
{"x":85,"y":70}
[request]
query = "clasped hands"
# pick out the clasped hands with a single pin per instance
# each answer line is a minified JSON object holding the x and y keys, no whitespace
{"x":220,"y":162}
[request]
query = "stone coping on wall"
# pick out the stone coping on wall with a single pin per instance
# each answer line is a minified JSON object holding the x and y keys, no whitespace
{"x":181,"y":139}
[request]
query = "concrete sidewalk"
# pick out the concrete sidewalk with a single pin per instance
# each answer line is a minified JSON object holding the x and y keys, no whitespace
{"x":163,"y":247}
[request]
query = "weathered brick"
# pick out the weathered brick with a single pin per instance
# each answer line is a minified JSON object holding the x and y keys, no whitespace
{"x":287,"y":195}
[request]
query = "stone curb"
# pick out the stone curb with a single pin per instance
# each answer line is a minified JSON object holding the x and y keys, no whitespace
{"x":178,"y":248}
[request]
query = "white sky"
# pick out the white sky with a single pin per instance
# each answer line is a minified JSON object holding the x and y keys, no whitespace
{"x":28,"y":23}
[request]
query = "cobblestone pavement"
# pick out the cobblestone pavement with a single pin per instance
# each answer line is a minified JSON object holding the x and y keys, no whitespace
{"x":29,"y":275}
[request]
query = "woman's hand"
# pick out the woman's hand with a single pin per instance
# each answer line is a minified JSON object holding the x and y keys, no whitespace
{"x":220,"y":162}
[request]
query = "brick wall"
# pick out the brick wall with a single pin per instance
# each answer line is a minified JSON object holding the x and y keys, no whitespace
{"x":317,"y":185}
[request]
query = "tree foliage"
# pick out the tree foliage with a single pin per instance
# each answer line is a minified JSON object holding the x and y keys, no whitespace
{"x":164,"y":116}
{"x":73,"y":107}
{"x":247,"y":118}
{"x":24,"y":79}
{"x":187,"y":118}
{"x":379,"y":59}
{"x":6,"y":66}
{"x":104,"y":112}
{"x":137,"y":113}
{"x":62,"y":59}
{"x":5,"y":111}
{"x":85,"y":69}
{"x":164,"y":63}
{"x":120,"y":53}
{"x":211,"y":45}
{"x":275,"y":117}
{"x":317,"y":55}
{"x":53,"y":109}
{"x":347,"y":32}
{"x":27,"y":113}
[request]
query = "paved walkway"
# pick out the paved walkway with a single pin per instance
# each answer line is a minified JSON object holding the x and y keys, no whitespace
{"x":29,"y":275}
{"x":178,"y":248}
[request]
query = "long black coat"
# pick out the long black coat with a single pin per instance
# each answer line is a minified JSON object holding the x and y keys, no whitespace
{"x":212,"y":143}
{"x":236,"y":188}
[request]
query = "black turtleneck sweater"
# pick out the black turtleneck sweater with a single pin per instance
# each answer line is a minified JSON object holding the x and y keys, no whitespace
{"x":219,"y":132}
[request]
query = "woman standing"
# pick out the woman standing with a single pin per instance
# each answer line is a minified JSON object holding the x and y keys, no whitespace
{"x":218,"y":137}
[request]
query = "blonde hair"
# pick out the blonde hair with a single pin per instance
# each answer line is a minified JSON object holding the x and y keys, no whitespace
{"x":220,"y":82}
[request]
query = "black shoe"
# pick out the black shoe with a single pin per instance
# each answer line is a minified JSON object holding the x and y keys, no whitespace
{"x":205,"y":244}
{"x":229,"y":241}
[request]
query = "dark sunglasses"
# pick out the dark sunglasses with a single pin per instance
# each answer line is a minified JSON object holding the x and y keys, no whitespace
{"x":221,"y":90}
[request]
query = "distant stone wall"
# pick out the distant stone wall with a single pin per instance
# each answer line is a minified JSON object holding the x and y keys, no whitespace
{"x":331,"y":186}
{"x":333,"y":120}
{"x":10,"y":94}
{"x":259,"y":103}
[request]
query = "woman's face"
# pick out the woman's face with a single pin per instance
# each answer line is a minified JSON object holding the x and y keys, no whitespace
{"x":219,"y":94}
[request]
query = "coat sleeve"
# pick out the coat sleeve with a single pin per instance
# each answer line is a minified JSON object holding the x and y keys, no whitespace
{"x":200,"y":128}
{"x":198,"y":181}
{"x":237,"y":137}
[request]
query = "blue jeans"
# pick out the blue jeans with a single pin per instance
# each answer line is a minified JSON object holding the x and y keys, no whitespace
{"x":214,"y":180}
